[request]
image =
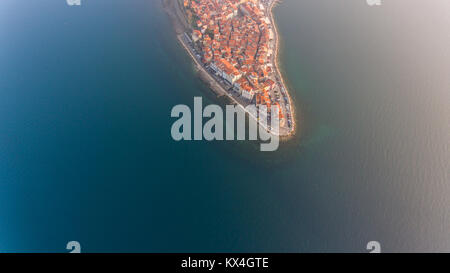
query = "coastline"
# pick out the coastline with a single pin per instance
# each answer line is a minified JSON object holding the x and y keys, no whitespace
{"x":277,"y":66}
{"x":180,"y":26}
{"x":216,"y":87}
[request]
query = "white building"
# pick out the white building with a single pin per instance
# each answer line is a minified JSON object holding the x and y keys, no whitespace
{"x":248,"y":94}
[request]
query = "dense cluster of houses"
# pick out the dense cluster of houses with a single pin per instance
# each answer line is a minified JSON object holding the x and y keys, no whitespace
{"x":234,"y":37}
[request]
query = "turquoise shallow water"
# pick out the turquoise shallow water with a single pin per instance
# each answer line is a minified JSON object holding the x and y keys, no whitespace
{"x":86,"y":153}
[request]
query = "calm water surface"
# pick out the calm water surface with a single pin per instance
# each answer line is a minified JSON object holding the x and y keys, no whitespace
{"x":86,"y":153}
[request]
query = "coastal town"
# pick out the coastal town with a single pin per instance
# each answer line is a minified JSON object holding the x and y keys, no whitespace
{"x":236,"y":43}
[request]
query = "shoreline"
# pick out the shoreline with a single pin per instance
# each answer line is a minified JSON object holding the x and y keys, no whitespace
{"x":216,"y":87}
{"x":277,"y":66}
{"x":180,"y":27}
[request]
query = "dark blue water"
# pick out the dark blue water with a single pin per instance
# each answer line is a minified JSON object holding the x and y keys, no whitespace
{"x":86,"y":152}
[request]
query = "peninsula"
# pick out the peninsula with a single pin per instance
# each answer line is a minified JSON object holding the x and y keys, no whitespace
{"x":234,"y":44}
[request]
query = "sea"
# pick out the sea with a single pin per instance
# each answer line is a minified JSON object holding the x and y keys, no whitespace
{"x":86,"y":152}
